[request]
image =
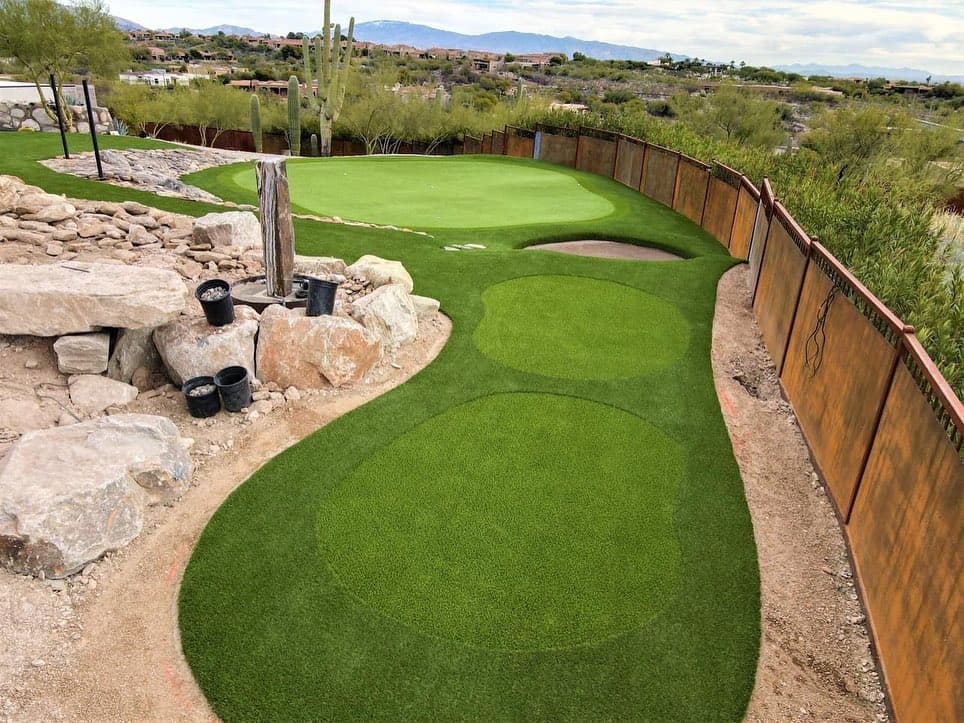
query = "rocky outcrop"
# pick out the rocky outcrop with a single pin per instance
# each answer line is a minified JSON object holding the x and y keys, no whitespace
{"x":190,"y":347}
{"x":380,"y":272}
{"x":70,"y":494}
{"x":93,"y":393}
{"x":77,"y":297}
{"x":388,"y":312}
{"x":235,"y":228}
{"x":82,"y":353}
{"x":313,"y":352}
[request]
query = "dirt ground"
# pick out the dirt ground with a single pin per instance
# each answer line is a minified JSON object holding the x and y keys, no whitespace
{"x":104,"y":645}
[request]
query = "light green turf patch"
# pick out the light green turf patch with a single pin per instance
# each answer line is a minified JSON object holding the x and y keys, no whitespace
{"x":437,"y":192}
{"x":570,"y":327}
{"x":491,"y":525}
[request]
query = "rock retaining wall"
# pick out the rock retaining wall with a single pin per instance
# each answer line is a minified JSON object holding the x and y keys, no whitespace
{"x":33,"y":117}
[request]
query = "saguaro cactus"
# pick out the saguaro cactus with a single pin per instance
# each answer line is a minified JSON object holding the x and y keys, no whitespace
{"x":294,"y":116}
{"x":256,"y":123}
{"x":330,"y":64}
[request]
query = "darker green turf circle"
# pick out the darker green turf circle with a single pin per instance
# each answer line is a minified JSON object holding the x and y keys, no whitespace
{"x":490,"y":524}
{"x":570,"y":327}
{"x":437,"y":192}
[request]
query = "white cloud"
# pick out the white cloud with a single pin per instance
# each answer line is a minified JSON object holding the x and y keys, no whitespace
{"x":879,"y":32}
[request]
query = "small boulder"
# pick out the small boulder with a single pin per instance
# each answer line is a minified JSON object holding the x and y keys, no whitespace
{"x":389,"y":312}
{"x":321,"y":266}
{"x":234,"y":228}
{"x":190,"y":347}
{"x":93,"y":393}
{"x":425,"y":307}
{"x":82,"y":353}
{"x":311,"y":352}
{"x":134,"y":349}
{"x":380,"y":272}
{"x":70,"y":494}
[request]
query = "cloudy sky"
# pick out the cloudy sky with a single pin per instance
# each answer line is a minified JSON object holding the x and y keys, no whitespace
{"x":891,"y":33}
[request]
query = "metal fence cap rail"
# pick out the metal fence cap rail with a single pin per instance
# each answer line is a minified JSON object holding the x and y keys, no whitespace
{"x":694,"y":162}
{"x":598,"y":133}
{"x":936,"y":390}
{"x":727,"y":174}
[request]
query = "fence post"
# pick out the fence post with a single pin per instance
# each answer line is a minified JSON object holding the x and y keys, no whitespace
{"x":766,"y":243}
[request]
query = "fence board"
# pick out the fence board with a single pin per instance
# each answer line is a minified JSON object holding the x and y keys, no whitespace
{"x":837,"y":372}
{"x":498,"y":143}
{"x":908,"y":547}
{"x":692,"y":180}
{"x":558,"y":149}
{"x":629,"y":161}
{"x":781,"y":275}
{"x":659,"y":174}
{"x":487,"y":143}
{"x":760,"y":233}
{"x":596,"y":155}
{"x":742,"y":232}
{"x":720,"y":208}
{"x":519,"y":146}
{"x":472,"y":144}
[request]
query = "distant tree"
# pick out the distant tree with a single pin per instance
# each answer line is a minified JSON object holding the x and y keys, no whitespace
{"x":45,"y":37}
{"x":578,"y":57}
{"x":556,"y":60}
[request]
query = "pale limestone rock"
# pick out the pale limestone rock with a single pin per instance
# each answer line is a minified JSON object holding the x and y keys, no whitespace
{"x":134,"y":349}
{"x":82,"y":353}
{"x":70,"y":494}
{"x":190,"y":347}
{"x":321,"y":266}
{"x":234,"y":228}
{"x":425,"y":307}
{"x":76,"y":297}
{"x":93,"y":393}
{"x":380,"y":272}
{"x":389,"y":312}
{"x":312,"y":352}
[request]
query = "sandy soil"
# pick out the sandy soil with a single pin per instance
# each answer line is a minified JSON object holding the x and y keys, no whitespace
{"x":608,"y":250}
{"x":104,"y":644}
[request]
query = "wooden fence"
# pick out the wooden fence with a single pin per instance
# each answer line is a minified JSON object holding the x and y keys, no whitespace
{"x":884,"y":428}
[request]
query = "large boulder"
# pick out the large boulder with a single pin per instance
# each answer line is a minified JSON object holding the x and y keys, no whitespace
{"x":76,"y":297}
{"x":389,"y":312}
{"x":93,"y":393}
{"x":380,"y":272}
{"x":311,"y":352}
{"x":190,"y":347}
{"x":82,"y":353}
{"x":70,"y":494}
{"x":235,"y":228}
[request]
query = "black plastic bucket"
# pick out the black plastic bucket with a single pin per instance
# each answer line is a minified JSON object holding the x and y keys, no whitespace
{"x":220,"y":310}
{"x":321,"y":297}
{"x":234,"y":384}
{"x":201,"y":405}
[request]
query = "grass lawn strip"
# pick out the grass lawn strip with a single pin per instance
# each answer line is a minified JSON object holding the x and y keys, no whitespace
{"x":272,"y":633}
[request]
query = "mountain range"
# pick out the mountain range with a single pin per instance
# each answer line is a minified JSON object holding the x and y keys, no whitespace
{"x":392,"y":32}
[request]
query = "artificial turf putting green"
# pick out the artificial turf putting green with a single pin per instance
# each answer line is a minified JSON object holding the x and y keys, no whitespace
{"x":436,"y":192}
{"x":272,"y":633}
{"x":577,"y":328}
{"x":445,"y":531}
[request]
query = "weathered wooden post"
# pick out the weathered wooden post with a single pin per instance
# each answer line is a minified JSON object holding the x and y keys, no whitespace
{"x":277,"y":231}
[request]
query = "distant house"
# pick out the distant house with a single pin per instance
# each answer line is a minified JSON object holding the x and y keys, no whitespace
{"x":486,"y":62}
{"x":536,"y":60}
{"x":163,"y":37}
{"x":443,"y":54}
{"x":157,"y":54}
{"x":160,"y":78}
{"x":273,"y":87}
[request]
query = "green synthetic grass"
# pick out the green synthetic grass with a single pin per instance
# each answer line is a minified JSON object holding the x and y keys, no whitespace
{"x":436,"y":192}
{"x":318,"y":589}
{"x":490,"y":525}
{"x":577,"y":328}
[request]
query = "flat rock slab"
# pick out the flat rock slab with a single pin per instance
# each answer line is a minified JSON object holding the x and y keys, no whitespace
{"x":70,"y":494}
{"x":82,"y":353}
{"x":380,"y":272}
{"x":94,"y":393}
{"x":608,"y":250}
{"x":77,"y":297}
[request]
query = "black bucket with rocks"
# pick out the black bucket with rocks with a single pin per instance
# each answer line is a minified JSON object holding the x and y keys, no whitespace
{"x":215,"y":298}
{"x":201,"y":395}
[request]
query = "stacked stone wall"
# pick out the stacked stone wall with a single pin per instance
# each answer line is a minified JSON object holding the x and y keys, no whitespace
{"x":33,"y":117}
